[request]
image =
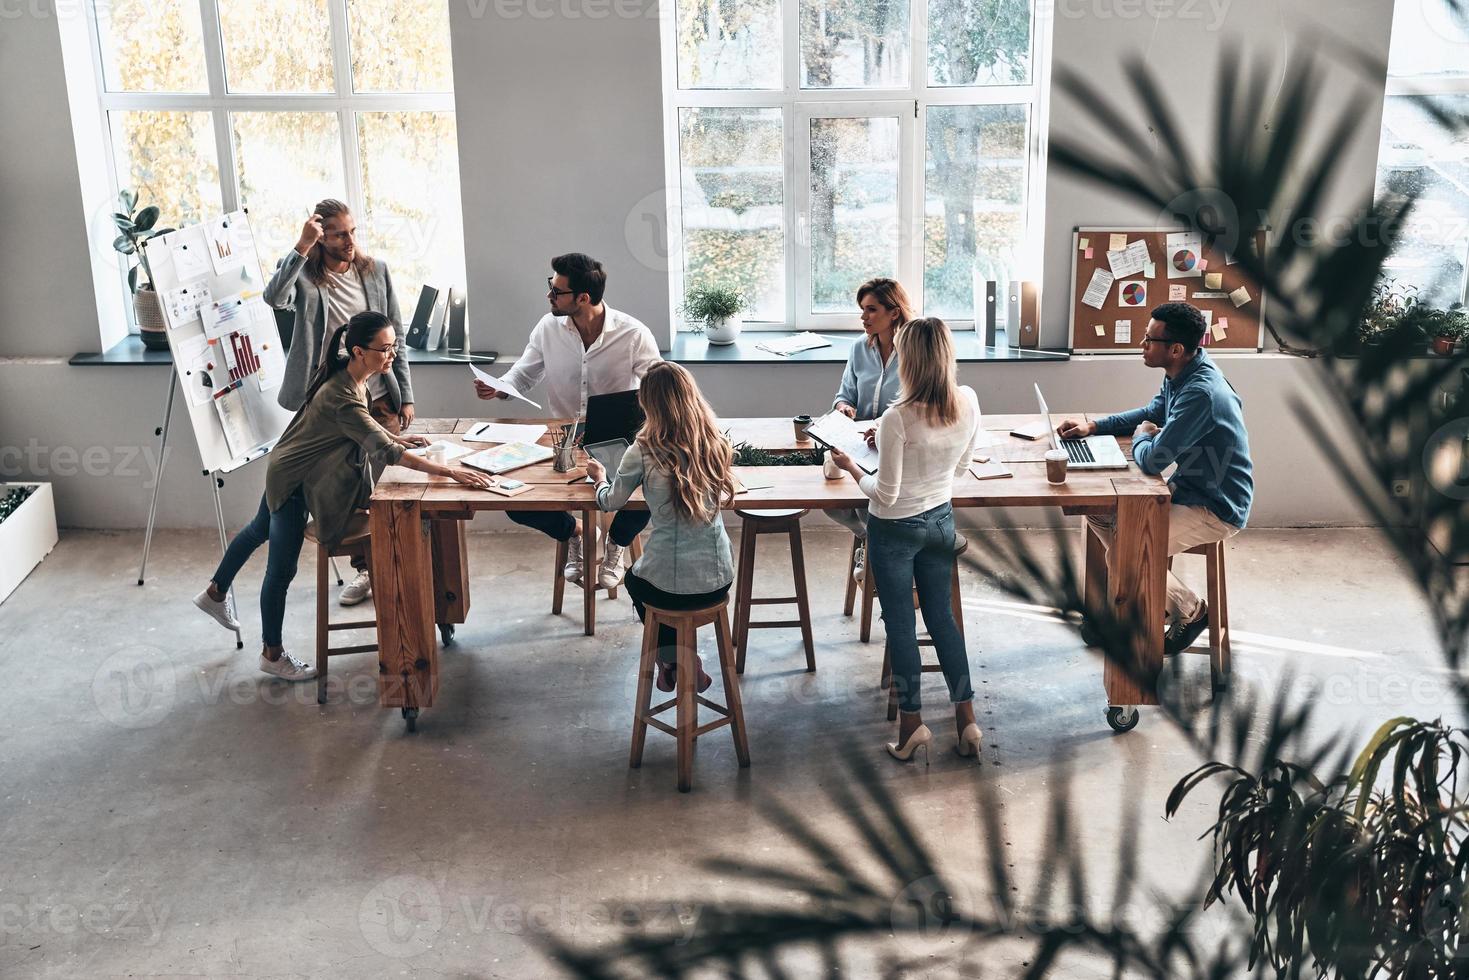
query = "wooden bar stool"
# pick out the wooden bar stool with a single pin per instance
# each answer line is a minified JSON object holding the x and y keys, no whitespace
{"x":753,"y":524}
{"x":869,"y":591}
{"x":1218,"y":599}
{"x":356,"y":539}
{"x":558,"y":585}
{"x":686,"y":698}
{"x":956,"y":600}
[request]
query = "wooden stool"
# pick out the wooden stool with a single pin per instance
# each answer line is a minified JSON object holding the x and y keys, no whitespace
{"x":356,"y":539}
{"x":755,"y":523}
{"x":869,"y":591}
{"x":686,"y":697}
{"x":591,"y":566}
{"x":956,"y":600}
{"x":1218,"y":599}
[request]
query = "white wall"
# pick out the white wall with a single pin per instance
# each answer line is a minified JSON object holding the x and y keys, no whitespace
{"x":559,"y":133}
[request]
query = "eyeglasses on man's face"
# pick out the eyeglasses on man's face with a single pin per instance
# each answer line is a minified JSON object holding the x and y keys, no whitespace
{"x":1157,"y":340}
{"x":551,"y":289}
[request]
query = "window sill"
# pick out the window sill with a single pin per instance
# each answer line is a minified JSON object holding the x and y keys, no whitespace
{"x":691,"y":348}
{"x":130,"y":351}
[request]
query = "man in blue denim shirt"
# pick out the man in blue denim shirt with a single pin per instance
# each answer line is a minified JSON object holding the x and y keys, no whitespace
{"x":1195,"y":422}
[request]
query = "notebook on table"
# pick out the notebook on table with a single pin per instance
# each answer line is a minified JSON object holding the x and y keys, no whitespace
{"x":510,"y":456}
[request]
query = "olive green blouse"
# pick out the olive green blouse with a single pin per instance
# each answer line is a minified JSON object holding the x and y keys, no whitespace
{"x":327,"y":451}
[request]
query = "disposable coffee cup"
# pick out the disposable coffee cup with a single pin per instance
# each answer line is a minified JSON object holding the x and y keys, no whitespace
{"x":829,"y":468}
{"x":1056,"y":465}
{"x":801,"y":423}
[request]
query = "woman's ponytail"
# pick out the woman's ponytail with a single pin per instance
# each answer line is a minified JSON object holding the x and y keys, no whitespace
{"x":356,"y":332}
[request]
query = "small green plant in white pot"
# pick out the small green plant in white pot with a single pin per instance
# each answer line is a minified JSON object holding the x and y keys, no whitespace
{"x":136,"y":228}
{"x":714,"y":311}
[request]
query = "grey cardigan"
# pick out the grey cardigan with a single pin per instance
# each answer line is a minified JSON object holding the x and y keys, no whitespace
{"x":290,"y":287}
{"x":682,"y":557}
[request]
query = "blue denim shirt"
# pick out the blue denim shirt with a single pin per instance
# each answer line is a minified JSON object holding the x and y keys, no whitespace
{"x":683,"y":557}
{"x":868,"y":385}
{"x":1201,"y":427}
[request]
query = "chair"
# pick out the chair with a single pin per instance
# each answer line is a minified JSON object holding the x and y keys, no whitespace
{"x":753,"y":524}
{"x":1218,"y":599}
{"x":590,"y":565}
{"x":686,"y":698}
{"x":956,"y":599}
{"x":357,"y":539}
{"x":869,"y":591}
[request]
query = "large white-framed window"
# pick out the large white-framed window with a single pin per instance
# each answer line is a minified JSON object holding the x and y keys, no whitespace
{"x":271,"y":105}
{"x":813,"y":144}
{"x":1428,"y":63}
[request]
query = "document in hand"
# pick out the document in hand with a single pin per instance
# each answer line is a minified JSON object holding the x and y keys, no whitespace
{"x":839,"y":432}
{"x":499,"y":385}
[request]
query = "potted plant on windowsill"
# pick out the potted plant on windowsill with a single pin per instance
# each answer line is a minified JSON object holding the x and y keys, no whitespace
{"x":1445,"y":327}
{"x":713,"y":311}
{"x":1391,"y":317}
{"x":136,"y":227}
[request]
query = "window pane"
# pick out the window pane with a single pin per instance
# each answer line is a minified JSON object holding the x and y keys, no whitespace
{"x":169,"y":159}
{"x":1418,"y":156}
{"x":276,"y":45}
{"x":151,"y":46}
{"x":854,"y":43}
{"x":732,"y":183}
{"x":410,"y":186}
{"x":287,"y":161}
{"x":854,"y":208}
{"x":729,"y":44}
{"x":400,"y":46}
{"x":973,"y":202}
{"x":1429,"y":38}
{"x":978,"y":42}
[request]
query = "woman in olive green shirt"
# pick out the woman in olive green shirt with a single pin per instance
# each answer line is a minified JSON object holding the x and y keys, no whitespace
{"x":322,"y":464}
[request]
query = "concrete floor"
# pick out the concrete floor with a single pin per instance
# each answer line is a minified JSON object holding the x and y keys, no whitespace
{"x":167,"y":810}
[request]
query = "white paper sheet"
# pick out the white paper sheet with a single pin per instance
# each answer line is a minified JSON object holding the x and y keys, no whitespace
{"x":1122,"y":332}
{"x":1130,"y":260}
{"x":786,"y":346}
{"x":234,"y":417}
{"x":1134,"y":292}
{"x":1098,"y":288}
{"x":499,"y":385}
{"x":190,"y":254}
{"x":194,"y":360}
{"x":836,"y":430}
{"x":504,"y":432}
{"x":223,"y":316}
{"x":222,"y":252}
{"x":1240,"y":296}
{"x":1185,"y":253}
{"x":183,"y":304}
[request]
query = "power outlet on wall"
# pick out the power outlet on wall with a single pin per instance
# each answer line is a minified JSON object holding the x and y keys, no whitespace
{"x":1402,"y":488}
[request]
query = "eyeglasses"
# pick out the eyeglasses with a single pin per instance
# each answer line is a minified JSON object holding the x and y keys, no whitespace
{"x":1158,"y":340}
{"x":383,"y":350}
{"x":553,"y":291}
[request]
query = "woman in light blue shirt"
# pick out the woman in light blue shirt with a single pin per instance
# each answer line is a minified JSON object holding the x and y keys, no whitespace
{"x":870,"y":381}
{"x":686,"y":469}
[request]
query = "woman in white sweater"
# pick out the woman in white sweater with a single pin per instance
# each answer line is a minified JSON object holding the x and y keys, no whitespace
{"x":924,"y":440}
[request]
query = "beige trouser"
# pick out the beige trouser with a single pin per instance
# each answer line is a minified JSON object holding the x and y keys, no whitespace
{"x":1188,"y":527}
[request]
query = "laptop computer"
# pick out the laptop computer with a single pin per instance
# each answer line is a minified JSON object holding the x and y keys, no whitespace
{"x":614,"y":416}
{"x":1091,"y":453}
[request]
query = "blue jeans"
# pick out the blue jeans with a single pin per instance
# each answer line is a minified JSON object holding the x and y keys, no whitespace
{"x":285,"y":529}
{"x":918,"y":551}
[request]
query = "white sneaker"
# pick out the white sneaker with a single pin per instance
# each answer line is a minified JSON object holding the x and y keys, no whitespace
{"x":859,"y":564}
{"x":572,"y":571}
{"x":287,"y":668}
{"x":357,"y":590}
{"x":610,"y":577}
{"x":222,"y":612}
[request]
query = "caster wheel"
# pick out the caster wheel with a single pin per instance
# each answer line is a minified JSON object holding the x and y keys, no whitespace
{"x":1123,"y":719}
{"x":410,"y":716}
{"x":446,"y":633}
{"x":1089,"y":634}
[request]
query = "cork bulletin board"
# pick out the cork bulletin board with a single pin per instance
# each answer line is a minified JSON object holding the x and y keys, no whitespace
{"x":1109,"y":309}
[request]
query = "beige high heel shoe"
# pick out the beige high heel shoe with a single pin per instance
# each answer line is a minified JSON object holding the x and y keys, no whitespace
{"x":969,"y":742}
{"x":921,"y":738}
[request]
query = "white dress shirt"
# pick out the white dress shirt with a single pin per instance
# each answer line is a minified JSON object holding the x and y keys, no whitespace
{"x":616,"y":361}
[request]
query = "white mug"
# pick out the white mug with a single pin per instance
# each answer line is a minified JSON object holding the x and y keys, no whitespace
{"x":829,"y":468}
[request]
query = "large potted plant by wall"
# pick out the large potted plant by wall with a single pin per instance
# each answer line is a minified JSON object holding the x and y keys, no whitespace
{"x":714,"y":311}
{"x":135,"y":228}
{"x":27,"y":531}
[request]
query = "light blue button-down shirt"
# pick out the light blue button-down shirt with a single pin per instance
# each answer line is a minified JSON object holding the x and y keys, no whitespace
{"x":868,"y":385}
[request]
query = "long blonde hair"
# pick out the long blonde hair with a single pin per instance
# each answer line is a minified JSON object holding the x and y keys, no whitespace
{"x":682,"y":437}
{"x":892,"y":296}
{"x":928,"y":374}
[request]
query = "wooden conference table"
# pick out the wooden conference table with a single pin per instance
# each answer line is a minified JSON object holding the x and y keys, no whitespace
{"x":420,"y":573}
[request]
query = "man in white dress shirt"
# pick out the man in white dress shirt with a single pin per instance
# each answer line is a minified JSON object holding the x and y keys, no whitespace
{"x":582,"y":348}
